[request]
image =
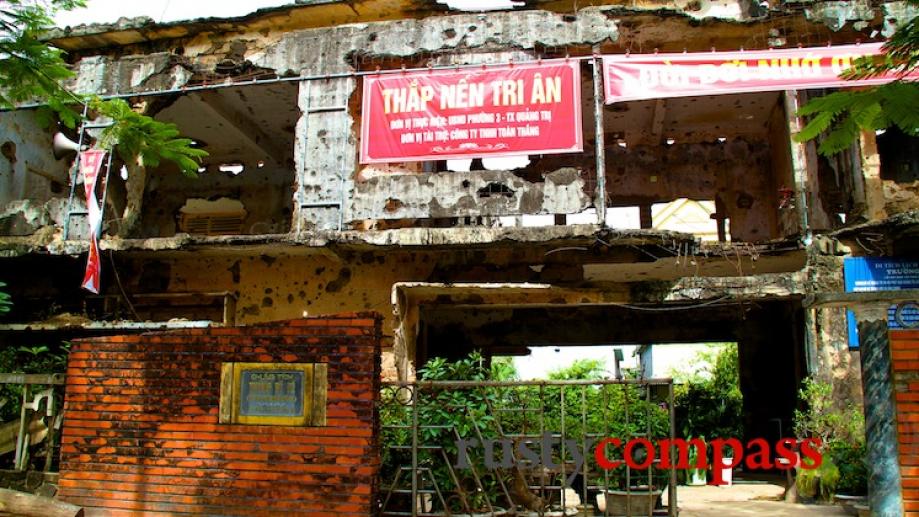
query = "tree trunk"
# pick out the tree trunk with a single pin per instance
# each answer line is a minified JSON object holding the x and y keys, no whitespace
{"x":134,"y":199}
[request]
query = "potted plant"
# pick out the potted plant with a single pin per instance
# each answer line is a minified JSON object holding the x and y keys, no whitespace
{"x":633,"y":496}
{"x":841,"y":433}
{"x":628,"y":491}
{"x":843,"y":474}
{"x":817,"y":483}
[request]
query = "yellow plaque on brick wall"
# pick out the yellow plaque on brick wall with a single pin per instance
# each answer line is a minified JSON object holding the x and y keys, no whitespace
{"x":292,"y":394}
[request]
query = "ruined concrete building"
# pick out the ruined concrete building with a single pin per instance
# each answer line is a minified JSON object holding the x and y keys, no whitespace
{"x":499,"y":255}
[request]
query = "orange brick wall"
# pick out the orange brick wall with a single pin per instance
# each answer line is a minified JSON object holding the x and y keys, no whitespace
{"x":141,"y":432}
{"x":905,"y":348}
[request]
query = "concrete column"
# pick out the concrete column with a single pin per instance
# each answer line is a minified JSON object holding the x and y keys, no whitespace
{"x":871,"y":170}
{"x":885,"y":492}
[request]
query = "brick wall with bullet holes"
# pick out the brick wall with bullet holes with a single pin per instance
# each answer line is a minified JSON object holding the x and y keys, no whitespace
{"x":141,"y":431}
{"x":905,"y":351}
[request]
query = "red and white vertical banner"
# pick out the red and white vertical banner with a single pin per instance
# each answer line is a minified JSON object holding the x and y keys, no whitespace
{"x":656,"y":76}
{"x":90,"y":165}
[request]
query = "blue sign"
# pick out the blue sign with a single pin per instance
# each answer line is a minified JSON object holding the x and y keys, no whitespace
{"x":865,"y":274}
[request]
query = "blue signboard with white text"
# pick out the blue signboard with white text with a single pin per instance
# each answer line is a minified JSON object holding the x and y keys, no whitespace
{"x":866,"y":274}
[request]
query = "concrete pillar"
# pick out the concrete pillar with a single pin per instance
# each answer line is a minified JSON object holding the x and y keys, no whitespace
{"x":885,"y":491}
{"x":871,"y":170}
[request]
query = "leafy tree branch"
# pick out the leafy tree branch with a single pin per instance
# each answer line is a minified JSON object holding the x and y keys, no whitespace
{"x":844,"y":114}
{"x":32,"y":70}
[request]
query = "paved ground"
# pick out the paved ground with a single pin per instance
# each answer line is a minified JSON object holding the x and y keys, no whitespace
{"x":759,"y":499}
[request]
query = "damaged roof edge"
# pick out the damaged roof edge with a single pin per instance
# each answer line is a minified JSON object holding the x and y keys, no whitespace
{"x":142,"y":23}
{"x":901,"y":221}
{"x":141,"y":29}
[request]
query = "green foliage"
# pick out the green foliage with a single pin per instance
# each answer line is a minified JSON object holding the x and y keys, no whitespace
{"x":820,"y":482}
{"x":822,"y":419}
{"x":147,"y":141}
{"x":460,"y":409}
{"x":33,"y":359}
{"x":842,"y":115}
{"x":842,"y":433}
{"x":503,"y":369}
{"x":579,"y":369}
{"x":31,"y":70}
{"x":712,"y":405}
{"x":852,"y":462}
{"x":625,"y":411}
{"x":6,"y":303}
{"x":443,"y":416}
{"x":846,"y":113}
{"x":614,"y":410}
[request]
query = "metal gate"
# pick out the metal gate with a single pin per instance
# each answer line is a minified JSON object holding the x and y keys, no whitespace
{"x":526,"y":448}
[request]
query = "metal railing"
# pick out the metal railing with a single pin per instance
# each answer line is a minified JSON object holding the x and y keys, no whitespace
{"x":523,"y":447}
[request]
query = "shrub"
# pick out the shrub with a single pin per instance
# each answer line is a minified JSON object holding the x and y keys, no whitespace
{"x":842,"y":433}
{"x":712,"y":406}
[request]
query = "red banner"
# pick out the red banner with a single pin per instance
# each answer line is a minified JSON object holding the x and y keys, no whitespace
{"x":93,"y":268}
{"x":655,"y":76}
{"x":532,"y":108}
{"x":90,"y":165}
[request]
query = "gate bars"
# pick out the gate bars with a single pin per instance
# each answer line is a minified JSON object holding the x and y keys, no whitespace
{"x":428,"y":429}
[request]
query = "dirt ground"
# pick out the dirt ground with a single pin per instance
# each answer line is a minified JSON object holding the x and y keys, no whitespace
{"x":760,"y":499}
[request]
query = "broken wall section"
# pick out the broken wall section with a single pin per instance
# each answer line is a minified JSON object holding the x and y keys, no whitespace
{"x":245,"y":185}
{"x":899,"y":170}
{"x":33,"y":184}
{"x":725,"y":149}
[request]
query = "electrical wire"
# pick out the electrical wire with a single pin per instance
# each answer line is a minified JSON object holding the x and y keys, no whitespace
{"x":124,"y":294}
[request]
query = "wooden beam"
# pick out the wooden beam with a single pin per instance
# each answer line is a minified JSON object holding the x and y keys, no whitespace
{"x":836,"y":300}
{"x":21,"y":503}
{"x":245,"y":127}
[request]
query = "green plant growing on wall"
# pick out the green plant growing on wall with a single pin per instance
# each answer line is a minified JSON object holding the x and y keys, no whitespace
{"x":821,"y":418}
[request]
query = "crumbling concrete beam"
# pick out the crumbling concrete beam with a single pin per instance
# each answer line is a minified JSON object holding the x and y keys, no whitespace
{"x":464,"y":194}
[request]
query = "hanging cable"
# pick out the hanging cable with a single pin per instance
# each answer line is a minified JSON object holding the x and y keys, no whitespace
{"x":124,"y":294}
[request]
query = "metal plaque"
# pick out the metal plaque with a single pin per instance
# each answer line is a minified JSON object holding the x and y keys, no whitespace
{"x":291,"y":394}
